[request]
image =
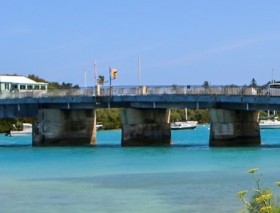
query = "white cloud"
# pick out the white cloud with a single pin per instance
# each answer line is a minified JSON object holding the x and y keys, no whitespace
{"x":225,"y":48}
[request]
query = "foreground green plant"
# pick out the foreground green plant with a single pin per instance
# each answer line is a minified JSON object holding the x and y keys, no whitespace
{"x":262,"y":200}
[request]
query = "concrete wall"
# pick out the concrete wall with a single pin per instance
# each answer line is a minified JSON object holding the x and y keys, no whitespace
{"x":144,"y":127}
{"x":64,"y":127}
{"x":234,"y":128}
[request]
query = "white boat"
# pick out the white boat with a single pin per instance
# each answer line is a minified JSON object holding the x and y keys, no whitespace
{"x":99,"y":126}
{"x":270,"y":123}
{"x":26,"y":130}
{"x":180,"y":125}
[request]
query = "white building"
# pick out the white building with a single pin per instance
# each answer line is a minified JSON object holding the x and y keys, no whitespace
{"x":20,"y":83}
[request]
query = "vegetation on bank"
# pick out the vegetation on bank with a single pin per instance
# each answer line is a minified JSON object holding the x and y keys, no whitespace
{"x":13,"y":123}
{"x":53,"y":85}
{"x":110,"y":118}
{"x":200,"y":115}
{"x":262,"y":199}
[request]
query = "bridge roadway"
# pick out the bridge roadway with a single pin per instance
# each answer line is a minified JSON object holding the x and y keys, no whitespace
{"x":29,"y":106}
{"x":66,"y":117}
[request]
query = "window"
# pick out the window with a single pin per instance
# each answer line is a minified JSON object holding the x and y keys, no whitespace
{"x":29,"y":87}
{"x":22,"y":87}
{"x":274,"y":86}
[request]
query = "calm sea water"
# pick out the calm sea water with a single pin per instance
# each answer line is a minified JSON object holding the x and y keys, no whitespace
{"x":188,"y":176}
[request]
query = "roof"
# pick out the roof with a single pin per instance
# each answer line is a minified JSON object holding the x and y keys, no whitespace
{"x":18,"y":79}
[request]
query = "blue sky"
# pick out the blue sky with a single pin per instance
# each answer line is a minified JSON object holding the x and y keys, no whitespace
{"x":183,"y":42}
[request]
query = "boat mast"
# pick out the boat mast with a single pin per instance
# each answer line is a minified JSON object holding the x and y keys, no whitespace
{"x":186,"y":113}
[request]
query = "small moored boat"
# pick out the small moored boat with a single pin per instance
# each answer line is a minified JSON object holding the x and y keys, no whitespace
{"x":26,"y":130}
{"x":270,"y":123}
{"x":99,"y":126}
{"x":181,"y":125}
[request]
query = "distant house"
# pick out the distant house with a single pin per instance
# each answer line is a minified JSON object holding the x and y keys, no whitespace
{"x":20,"y":83}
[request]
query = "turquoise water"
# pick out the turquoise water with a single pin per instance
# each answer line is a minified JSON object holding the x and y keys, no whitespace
{"x":188,"y":176}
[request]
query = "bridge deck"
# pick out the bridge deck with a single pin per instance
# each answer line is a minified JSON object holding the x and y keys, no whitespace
{"x":240,"y":98}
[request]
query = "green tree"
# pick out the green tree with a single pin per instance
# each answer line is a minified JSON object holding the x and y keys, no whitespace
{"x":201,"y":115}
{"x":110,"y":118}
{"x":36,"y":78}
{"x":253,"y":83}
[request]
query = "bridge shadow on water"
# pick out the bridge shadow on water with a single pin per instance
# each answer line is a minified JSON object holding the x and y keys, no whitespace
{"x":118,"y":146}
{"x":15,"y":145}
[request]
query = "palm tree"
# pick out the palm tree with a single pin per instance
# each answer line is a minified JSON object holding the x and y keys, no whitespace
{"x":101,"y":80}
{"x":205,"y":85}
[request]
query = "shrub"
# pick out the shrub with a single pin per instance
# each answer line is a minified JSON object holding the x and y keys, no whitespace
{"x":263,"y":199}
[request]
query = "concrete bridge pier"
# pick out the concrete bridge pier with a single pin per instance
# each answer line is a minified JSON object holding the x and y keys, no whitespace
{"x":56,"y":127}
{"x":145,"y":127}
{"x":234,"y":128}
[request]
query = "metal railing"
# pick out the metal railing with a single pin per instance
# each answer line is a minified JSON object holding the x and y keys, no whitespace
{"x":142,"y":90}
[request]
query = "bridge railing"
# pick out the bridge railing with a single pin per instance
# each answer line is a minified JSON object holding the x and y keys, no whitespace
{"x":139,"y":90}
{"x":180,"y":90}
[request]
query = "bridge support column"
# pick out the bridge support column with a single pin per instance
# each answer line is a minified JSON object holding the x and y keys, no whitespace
{"x":144,"y":127}
{"x":54,"y":127}
{"x":234,"y":128}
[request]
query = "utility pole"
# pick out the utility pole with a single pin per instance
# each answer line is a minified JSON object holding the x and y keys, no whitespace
{"x":139,"y":72}
{"x":110,"y":77}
